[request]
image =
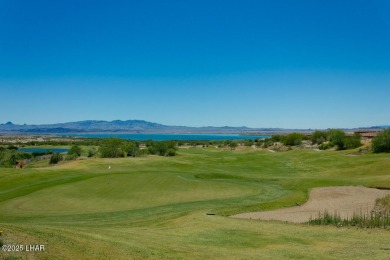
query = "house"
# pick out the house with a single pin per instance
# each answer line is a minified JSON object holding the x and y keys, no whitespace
{"x":367,"y":134}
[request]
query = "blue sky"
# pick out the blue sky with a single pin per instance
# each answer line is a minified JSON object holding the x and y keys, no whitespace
{"x":293,"y":64}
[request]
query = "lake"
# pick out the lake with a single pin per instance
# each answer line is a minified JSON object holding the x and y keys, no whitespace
{"x":42,"y":150}
{"x":166,"y":137}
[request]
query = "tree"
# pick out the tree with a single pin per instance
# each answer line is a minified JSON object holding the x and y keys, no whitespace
{"x":318,"y":137}
{"x":112,"y":148}
{"x":233,"y":145}
{"x":13,"y":160}
{"x":248,"y":142}
{"x":131,"y":149}
{"x":293,"y":139}
{"x":277,"y":138}
{"x":55,"y":158}
{"x":75,"y":151}
{"x":337,"y":137}
{"x":162,"y":148}
{"x":171,"y":152}
{"x":91,"y":152}
{"x":381,"y":143}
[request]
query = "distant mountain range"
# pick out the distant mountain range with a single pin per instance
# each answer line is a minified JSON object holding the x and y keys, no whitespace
{"x":119,"y":126}
{"x":137,"y":126}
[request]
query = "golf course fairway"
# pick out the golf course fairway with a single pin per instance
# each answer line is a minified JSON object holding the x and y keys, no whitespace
{"x":180,"y":207}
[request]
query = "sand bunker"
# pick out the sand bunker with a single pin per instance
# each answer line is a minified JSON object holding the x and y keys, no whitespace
{"x":345,"y":200}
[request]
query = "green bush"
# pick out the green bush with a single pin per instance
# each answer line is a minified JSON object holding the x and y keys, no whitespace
{"x":268,"y":142}
{"x":112,"y":148}
{"x":74,"y":151}
{"x":11,"y":158}
{"x":293,"y":139}
{"x":381,"y":143}
{"x":70,"y":157}
{"x":131,"y":149}
{"x":352,"y":142}
{"x":336,"y":137}
{"x":325,"y":146}
{"x":8,"y":159}
{"x":161,"y":148}
{"x":142,"y":152}
{"x":259,"y":143}
{"x":233,"y":145}
{"x":277,"y":138}
{"x":56,"y":158}
{"x":248,"y":143}
{"x":171,"y":152}
{"x":91,"y":152}
{"x":318,"y":137}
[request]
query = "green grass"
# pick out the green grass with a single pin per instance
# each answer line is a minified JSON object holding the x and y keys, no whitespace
{"x":155,"y":207}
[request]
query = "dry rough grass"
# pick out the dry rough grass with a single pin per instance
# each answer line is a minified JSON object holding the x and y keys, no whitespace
{"x":382,"y":205}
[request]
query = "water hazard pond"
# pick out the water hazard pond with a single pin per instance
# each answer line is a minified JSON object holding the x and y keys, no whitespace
{"x":43,"y":150}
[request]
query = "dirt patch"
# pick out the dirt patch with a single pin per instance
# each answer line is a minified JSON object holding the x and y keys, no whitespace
{"x":345,"y":200}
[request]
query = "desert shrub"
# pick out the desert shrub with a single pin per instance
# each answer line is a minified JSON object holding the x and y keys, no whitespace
{"x":325,"y":146}
{"x":212,"y":142}
{"x":55,"y":158}
{"x":171,"y":152}
{"x":293,"y":139}
{"x":142,"y":152}
{"x":336,"y":137}
{"x":318,"y":137}
{"x":9,"y":160}
{"x":277,"y":138}
{"x":131,"y":149}
{"x":381,"y":143}
{"x":157,"y":148}
{"x":268,"y":143}
{"x":371,"y":219}
{"x":112,"y":148}
{"x":248,"y":143}
{"x":22,"y":156}
{"x":21,"y":164}
{"x":382,"y":206}
{"x":233,"y":145}
{"x":161,"y":148}
{"x":352,"y":142}
{"x":12,"y":158}
{"x":259,"y":143}
{"x":70,"y":157}
{"x":74,"y":151}
{"x":91,"y":152}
